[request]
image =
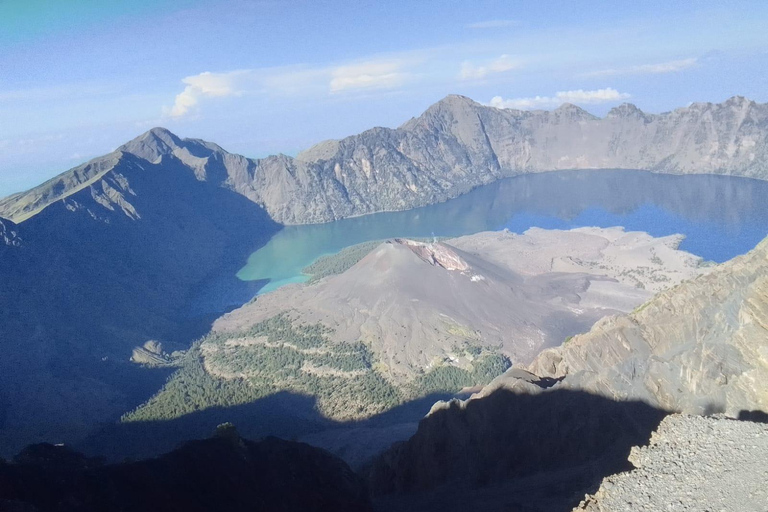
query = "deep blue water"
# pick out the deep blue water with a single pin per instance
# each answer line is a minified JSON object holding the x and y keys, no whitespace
{"x":720,"y":216}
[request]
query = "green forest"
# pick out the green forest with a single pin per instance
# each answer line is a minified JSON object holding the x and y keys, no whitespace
{"x":233,"y":368}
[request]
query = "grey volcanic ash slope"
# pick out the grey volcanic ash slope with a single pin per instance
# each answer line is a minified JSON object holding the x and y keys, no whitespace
{"x":415,"y":304}
{"x":457,"y":144}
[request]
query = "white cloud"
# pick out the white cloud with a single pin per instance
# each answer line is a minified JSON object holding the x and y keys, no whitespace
{"x":292,"y":80}
{"x":375,"y":74}
{"x":206,"y":84}
{"x":648,"y":69}
{"x":581,"y":96}
{"x":492,"y":24}
{"x":501,"y":64}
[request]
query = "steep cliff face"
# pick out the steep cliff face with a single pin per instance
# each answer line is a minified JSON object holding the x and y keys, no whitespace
{"x":454,"y":146}
{"x":700,"y":347}
{"x":458,"y":144}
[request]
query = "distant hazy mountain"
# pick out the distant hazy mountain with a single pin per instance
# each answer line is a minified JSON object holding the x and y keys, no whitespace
{"x":457,"y":144}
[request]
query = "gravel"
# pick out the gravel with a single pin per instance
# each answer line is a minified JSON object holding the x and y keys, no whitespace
{"x":692,"y":463}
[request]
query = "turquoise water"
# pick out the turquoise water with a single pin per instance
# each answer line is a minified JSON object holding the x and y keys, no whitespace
{"x":721,"y":216}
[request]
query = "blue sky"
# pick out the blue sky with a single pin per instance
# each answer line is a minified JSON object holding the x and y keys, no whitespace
{"x":80,"y":77}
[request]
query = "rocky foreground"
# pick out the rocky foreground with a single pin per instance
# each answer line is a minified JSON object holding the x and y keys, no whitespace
{"x":693,"y":463}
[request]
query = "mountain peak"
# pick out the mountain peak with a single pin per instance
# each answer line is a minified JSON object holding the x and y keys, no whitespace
{"x":151,"y":145}
{"x":738,"y":101}
{"x":452,"y":106}
{"x":573,"y":111}
{"x":569,"y":107}
{"x":160,"y":132}
{"x":626,"y":110}
{"x":457,"y":99}
{"x":453,"y":102}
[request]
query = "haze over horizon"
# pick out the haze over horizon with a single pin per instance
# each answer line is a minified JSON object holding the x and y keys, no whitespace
{"x":81,"y":78}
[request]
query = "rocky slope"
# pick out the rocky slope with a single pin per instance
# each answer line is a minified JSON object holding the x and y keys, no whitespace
{"x":124,"y":249}
{"x":699,"y":347}
{"x":222,"y":473}
{"x":692,"y":463}
{"x":454,"y":146}
{"x":458,"y":144}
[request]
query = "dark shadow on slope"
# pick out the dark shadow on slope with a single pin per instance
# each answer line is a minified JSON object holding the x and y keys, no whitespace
{"x":284,"y":414}
{"x":223,"y":473}
{"x":90,"y":283}
{"x":754,"y":416}
{"x":4,"y":405}
{"x":510,"y":451}
{"x":413,"y":410}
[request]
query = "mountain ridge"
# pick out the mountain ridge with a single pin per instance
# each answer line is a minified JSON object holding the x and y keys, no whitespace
{"x":453,"y":146}
{"x":133,"y":255}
